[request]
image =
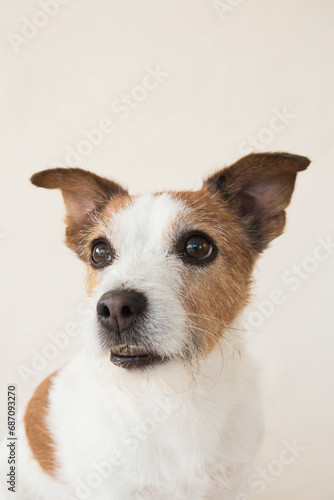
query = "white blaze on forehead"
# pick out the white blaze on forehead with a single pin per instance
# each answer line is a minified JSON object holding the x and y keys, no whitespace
{"x":145,"y":225}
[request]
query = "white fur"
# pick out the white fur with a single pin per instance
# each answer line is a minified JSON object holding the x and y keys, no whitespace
{"x":168,"y":433}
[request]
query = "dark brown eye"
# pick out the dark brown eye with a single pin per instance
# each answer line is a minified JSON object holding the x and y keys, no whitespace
{"x":197,"y":247}
{"x":100,"y":253}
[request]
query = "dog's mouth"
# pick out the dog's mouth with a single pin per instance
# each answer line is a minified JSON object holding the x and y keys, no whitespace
{"x":131,"y":356}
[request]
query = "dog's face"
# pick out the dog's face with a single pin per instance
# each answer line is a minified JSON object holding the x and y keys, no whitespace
{"x":169,"y":272}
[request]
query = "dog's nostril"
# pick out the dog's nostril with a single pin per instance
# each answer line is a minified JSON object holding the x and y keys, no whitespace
{"x":126,"y":311}
{"x":103,"y":311}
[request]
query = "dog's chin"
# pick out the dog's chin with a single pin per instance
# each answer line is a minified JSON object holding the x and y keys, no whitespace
{"x":135,"y":357}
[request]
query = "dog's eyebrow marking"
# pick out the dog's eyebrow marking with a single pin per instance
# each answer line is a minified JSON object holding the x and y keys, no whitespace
{"x":38,"y":434}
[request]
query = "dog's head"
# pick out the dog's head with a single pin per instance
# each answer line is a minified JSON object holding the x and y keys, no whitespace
{"x":169,"y":272}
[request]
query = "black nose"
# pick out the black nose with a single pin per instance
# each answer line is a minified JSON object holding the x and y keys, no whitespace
{"x":117,"y":310}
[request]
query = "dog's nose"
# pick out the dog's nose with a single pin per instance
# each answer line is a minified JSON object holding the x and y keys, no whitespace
{"x":117,"y":310}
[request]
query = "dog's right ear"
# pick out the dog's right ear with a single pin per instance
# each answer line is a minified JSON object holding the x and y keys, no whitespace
{"x":85,"y":195}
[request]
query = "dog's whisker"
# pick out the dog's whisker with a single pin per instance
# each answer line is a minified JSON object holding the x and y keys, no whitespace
{"x":222,"y":338}
{"x":233,"y":328}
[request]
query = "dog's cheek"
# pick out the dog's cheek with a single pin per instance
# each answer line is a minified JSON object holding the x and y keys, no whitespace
{"x":213,"y":299}
{"x":93,"y":279}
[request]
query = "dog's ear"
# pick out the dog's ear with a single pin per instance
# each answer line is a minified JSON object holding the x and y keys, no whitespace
{"x":85,"y":195}
{"x":259,"y":187}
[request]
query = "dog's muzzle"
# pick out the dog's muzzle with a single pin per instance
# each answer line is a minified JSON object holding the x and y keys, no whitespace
{"x":120,"y":313}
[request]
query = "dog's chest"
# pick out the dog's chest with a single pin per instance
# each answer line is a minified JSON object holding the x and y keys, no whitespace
{"x":163,"y":447}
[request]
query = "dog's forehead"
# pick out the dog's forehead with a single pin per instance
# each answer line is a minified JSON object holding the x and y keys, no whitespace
{"x":155,"y":219}
{"x":146,"y":219}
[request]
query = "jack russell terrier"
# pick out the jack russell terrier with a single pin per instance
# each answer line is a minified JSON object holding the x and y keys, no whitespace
{"x":162,"y":401}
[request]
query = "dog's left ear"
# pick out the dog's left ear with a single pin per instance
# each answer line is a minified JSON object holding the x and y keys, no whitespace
{"x":258,"y":187}
{"x":85,"y":195}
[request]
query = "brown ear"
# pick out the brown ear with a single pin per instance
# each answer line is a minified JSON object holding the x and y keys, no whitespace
{"x":85,"y":195}
{"x":259,"y":187}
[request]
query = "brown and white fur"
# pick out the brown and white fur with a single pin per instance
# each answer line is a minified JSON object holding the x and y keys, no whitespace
{"x":186,"y":423}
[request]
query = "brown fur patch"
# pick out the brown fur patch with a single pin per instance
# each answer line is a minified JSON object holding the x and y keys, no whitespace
{"x":92,"y":280}
{"x":214,"y":293}
{"x":36,"y":427}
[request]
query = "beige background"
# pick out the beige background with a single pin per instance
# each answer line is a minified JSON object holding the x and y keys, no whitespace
{"x":230,"y":70}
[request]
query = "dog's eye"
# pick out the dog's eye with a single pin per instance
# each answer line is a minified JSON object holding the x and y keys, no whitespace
{"x":197,"y":247}
{"x":100,"y":253}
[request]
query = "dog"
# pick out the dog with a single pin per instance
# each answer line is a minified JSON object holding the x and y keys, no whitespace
{"x":162,"y":401}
